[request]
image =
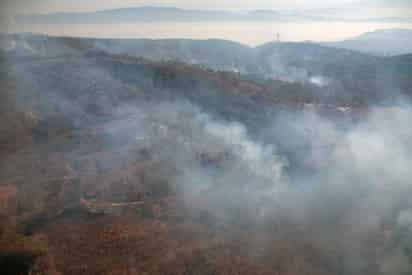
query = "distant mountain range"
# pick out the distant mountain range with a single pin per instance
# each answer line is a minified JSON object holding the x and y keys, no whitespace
{"x":228,"y":55}
{"x":151,"y":14}
{"x":379,"y":42}
{"x":164,"y":14}
{"x":342,"y":72}
{"x":159,"y":14}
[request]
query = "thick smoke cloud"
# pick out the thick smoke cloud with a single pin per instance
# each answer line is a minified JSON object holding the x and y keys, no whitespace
{"x":354,"y":189}
{"x":345,"y":185}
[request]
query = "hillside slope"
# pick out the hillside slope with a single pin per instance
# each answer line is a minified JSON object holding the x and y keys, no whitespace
{"x":118,"y":164}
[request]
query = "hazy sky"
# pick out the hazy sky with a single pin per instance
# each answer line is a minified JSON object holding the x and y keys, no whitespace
{"x":348,"y":9}
{"x":44,"y":6}
{"x":257,"y":33}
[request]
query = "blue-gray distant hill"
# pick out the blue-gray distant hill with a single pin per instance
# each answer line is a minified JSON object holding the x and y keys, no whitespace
{"x":157,"y":14}
{"x":379,"y":42}
{"x":340,"y":73}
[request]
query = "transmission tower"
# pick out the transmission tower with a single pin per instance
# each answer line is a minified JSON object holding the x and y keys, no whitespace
{"x":278,"y":37}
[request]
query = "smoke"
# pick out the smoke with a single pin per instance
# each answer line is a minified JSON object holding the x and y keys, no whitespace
{"x":361,"y":174}
{"x":202,"y":147}
{"x":320,"y":81}
{"x":351,"y":188}
{"x":260,"y":159}
{"x":340,"y":184}
{"x":280,"y":70}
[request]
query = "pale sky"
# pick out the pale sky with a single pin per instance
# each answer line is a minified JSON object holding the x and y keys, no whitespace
{"x":45,"y":6}
{"x":320,"y":31}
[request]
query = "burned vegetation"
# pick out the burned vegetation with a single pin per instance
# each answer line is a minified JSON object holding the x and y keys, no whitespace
{"x":113,"y":164}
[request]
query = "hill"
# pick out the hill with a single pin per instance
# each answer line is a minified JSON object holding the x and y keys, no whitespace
{"x":159,"y":14}
{"x":121,"y":164}
{"x":343,"y":72}
{"x":379,"y":42}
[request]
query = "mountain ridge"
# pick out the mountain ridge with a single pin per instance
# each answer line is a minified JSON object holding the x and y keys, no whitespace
{"x":379,"y":42}
{"x":161,"y":14}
